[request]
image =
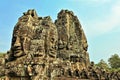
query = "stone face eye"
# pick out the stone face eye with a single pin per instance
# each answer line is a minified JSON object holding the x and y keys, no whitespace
{"x":14,"y":40}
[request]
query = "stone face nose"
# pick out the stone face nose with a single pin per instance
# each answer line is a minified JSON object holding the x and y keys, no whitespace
{"x":17,"y":43}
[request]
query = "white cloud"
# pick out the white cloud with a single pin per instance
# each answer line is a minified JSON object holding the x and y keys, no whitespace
{"x":116,"y":8}
{"x":99,"y":0}
{"x":92,"y":1}
{"x":110,"y":22}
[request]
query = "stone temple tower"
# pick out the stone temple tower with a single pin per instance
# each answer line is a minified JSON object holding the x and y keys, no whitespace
{"x":43,"y":49}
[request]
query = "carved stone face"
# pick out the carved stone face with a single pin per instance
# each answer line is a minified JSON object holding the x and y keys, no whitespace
{"x":20,"y":41}
{"x":17,"y":46}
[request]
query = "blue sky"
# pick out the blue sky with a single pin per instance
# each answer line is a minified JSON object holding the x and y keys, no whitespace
{"x":100,"y":20}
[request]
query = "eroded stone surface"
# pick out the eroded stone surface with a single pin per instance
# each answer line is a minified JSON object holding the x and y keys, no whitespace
{"x":72,"y":42}
{"x":41,"y":49}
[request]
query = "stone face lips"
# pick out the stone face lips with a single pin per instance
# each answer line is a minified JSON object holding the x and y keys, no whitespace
{"x":40,"y":44}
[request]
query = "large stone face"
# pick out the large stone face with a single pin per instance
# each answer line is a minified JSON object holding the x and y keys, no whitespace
{"x":72,"y":41}
{"x":34,"y":35}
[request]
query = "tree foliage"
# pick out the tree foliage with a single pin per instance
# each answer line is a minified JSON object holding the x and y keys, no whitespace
{"x":114,"y":61}
{"x":102,"y":64}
